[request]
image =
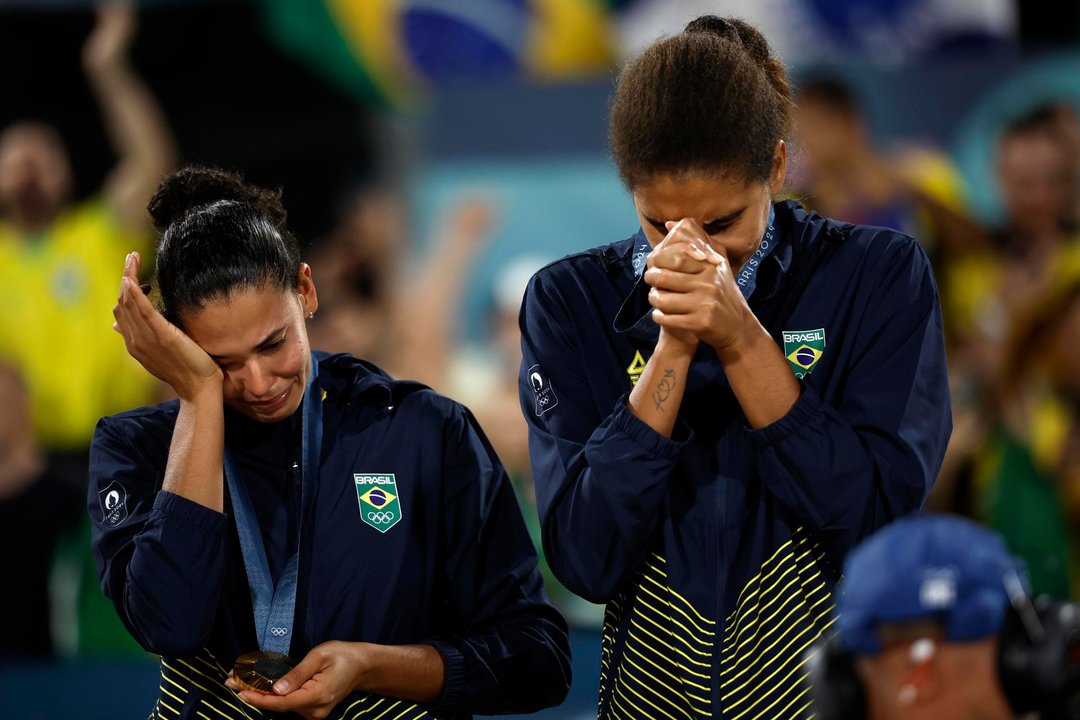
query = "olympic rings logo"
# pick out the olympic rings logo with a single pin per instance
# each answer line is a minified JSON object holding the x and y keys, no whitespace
{"x":381,"y":517}
{"x":279,"y":631}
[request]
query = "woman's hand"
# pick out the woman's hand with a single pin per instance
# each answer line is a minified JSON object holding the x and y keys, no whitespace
{"x":322,"y":679}
{"x":331,"y":671}
{"x":159,"y":346}
{"x":694,"y":293}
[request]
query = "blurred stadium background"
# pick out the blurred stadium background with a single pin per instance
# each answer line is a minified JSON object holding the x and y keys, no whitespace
{"x":434,"y":153}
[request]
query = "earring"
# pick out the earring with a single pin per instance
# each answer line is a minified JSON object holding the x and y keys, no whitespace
{"x":311,"y":315}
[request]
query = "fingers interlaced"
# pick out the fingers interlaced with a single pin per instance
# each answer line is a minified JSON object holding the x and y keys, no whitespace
{"x":672,"y":280}
{"x":673,"y":303}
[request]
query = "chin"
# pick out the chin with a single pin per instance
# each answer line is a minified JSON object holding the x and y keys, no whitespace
{"x":273,"y":414}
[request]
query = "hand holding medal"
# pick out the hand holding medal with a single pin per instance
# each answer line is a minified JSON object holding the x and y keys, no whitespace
{"x":311,"y":688}
{"x":258,"y":671}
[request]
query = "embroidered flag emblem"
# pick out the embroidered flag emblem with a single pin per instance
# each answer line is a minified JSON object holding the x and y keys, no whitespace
{"x":377,"y":495}
{"x":803,"y":349}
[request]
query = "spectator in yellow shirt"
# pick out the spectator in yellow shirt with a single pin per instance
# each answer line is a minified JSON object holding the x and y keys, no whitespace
{"x":57,"y":258}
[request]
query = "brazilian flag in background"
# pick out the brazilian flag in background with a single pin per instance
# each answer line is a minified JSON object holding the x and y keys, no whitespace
{"x":387,"y":52}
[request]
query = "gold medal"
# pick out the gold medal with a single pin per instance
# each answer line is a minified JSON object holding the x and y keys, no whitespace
{"x":259,"y":671}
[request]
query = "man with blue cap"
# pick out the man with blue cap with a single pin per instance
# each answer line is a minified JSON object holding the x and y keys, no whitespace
{"x":935,"y":622}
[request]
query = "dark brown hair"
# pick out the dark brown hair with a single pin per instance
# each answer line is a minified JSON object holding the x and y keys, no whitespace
{"x":711,"y":99}
{"x":218,"y":234}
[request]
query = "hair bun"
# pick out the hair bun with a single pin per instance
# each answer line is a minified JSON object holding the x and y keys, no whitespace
{"x":734,"y":30}
{"x":195,"y":185}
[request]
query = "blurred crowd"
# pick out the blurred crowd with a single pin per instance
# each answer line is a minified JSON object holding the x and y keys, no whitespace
{"x":1010,"y":305}
{"x":1010,"y":294}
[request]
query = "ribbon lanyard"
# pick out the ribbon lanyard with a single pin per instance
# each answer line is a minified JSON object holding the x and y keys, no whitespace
{"x":274,"y":606}
{"x":746,"y":278}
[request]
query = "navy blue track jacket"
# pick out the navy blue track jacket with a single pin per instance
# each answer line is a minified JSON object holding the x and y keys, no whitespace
{"x":717,"y":550}
{"x":458,"y":571}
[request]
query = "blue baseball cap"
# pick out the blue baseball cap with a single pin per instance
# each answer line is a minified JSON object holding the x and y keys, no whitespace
{"x":926,"y":567}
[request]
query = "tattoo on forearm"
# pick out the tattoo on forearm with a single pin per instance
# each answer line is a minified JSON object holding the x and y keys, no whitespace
{"x":664,"y":388}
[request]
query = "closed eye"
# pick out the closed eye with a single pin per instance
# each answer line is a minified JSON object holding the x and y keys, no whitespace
{"x":658,"y":225}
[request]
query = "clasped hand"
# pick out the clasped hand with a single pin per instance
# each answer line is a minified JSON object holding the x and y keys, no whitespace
{"x":693,"y":290}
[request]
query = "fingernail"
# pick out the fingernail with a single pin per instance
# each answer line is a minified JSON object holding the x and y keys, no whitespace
{"x":127,"y":261}
{"x":281,"y":687}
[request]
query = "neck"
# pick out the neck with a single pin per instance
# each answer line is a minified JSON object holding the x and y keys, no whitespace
{"x":29,"y":222}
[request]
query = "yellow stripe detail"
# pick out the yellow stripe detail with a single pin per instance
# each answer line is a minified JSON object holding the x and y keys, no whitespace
{"x":634,"y":622}
{"x":791,"y":564}
{"x":753,"y":652}
{"x":780,"y":683}
{"x":215,"y":666}
{"x":406,"y":710}
{"x":365,"y":710}
{"x":798,"y":653}
{"x":643,"y":714}
{"x":663,"y":684}
{"x":780,"y":613}
{"x":617,"y":697}
{"x":689,"y":646}
{"x":633,"y":683}
{"x":670,"y":674}
{"x":161,"y":704}
{"x":383,"y":713}
{"x":645,"y":671}
{"x":216,"y":680}
{"x":765,"y":712}
{"x":755,"y":627}
{"x":162,"y":689}
{"x":689,"y":604}
{"x":684,"y":668}
{"x":210,"y":692}
{"x":675,"y":607}
{"x":757,"y":623}
{"x":751,"y":581}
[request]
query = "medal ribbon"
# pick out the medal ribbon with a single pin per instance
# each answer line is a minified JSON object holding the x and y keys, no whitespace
{"x":274,"y":606}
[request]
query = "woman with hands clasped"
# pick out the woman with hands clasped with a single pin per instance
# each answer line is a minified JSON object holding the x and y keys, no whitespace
{"x":723,"y":404}
{"x":298,"y":527}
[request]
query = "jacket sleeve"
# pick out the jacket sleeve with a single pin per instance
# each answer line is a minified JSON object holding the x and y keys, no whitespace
{"x":160,"y":557}
{"x":600,"y":479}
{"x":512,"y":653}
{"x":848,"y":467}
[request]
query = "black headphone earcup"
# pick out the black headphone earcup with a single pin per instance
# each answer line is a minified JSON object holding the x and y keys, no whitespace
{"x":1038,"y":667}
{"x":1016,"y":661}
{"x":836,"y":688}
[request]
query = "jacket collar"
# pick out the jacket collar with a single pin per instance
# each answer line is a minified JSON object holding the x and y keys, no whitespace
{"x":348,"y":379}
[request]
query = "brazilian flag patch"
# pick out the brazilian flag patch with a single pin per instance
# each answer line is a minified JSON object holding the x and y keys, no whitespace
{"x":377,"y":495}
{"x":803,"y":349}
